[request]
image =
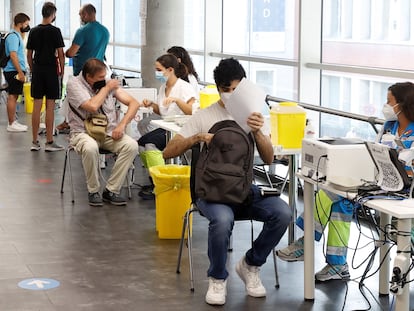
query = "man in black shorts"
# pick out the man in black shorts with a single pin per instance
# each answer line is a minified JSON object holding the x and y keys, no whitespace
{"x":15,"y":70}
{"x":46,"y":60}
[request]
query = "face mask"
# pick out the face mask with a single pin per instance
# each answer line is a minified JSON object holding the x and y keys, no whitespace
{"x":25,"y":29}
{"x":159,"y":75}
{"x":225,"y":97}
{"x":389,"y":113}
{"x":98,"y":85}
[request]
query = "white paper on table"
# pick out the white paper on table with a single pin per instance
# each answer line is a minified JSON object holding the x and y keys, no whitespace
{"x":246,"y":98}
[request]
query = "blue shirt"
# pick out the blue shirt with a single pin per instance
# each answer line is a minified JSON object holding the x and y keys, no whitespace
{"x":14,"y":43}
{"x":92,"y":39}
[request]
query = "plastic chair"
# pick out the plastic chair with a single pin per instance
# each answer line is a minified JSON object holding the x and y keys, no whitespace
{"x":67,"y":161}
{"x":195,"y":150}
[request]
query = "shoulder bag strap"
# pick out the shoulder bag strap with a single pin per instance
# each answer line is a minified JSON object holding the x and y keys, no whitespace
{"x":76,"y":112}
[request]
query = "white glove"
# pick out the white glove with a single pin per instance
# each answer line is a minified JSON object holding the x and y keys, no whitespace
{"x":406,"y":156}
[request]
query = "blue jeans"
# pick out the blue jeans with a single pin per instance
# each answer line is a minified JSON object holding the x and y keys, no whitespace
{"x":272,"y":211}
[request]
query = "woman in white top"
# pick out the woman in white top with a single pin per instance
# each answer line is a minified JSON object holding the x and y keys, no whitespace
{"x":175,"y":96}
{"x":184,"y":58}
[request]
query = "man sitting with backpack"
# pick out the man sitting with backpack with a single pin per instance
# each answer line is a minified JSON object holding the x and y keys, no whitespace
{"x":271,"y":210}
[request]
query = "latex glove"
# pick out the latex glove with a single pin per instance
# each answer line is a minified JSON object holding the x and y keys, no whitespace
{"x":406,"y":156}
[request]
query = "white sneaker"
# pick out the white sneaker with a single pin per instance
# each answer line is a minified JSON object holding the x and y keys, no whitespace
{"x":21,"y":125}
{"x":217,"y":291}
{"x":251,"y":278}
{"x":16,"y":127}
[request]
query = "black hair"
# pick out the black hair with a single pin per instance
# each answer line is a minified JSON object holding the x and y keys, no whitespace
{"x":48,"y":9}
{"x":20,"y":18}
{"x":182,"y":54}
{"x":92,"y":67}
{"x":404,"y":95}
{"x":170,"y":60}
{"x":228,"y":70}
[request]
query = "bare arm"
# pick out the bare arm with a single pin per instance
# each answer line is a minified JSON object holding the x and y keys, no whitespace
{"x":61,"y":57}
{"x":15,"y":61}
{"x":263,"y":142}
{"x":186,"y":107}
{"x":74,"y":48}
{"x":95,"y":102}
{"x":178,"y":145}
{"x":29,"y":57}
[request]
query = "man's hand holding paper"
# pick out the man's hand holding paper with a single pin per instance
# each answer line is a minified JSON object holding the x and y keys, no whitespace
{"x":247,"y":99}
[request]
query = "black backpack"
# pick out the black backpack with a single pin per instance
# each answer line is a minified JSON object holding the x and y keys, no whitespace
{"x":224,"y":170}
{"x":3,"y":57}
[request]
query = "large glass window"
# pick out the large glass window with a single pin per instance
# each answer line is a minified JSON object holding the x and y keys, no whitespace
{"x":260,"y":27}
{"x":365,"y":33}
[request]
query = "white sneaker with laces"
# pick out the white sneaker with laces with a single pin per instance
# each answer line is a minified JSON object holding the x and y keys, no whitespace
{"x":217,"y":291}
{"x":16,"y":127}
{"x":250,"y":276}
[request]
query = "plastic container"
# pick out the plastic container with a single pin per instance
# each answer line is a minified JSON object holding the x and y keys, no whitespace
{"x":287,"y":124}
{"x":208,"y":95}
{"x":172,"y":198}
{"x":28,"y":99}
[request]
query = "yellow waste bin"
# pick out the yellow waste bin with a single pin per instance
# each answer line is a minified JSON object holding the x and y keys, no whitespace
{"x":172,"y":198}
{"x":208,"y":96}
{"x":28,"y":99}
{"x":287,"y":121}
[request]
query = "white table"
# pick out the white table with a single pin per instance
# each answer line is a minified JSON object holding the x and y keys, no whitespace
{"x":171,"y":128}
{"x":387,"y":208}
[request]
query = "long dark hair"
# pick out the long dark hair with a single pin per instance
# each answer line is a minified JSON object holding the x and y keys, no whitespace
{"x":185,"y":58}
{"x":404,"y":95}
{"x":170,"y":60}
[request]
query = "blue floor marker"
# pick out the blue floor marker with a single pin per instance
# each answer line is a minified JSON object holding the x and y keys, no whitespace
{"x":39,"y":284}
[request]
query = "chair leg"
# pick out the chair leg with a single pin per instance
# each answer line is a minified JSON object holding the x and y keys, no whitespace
{"x":71,"y":176}
{"x":275,"y":266}
{"x":180,"y":250}
{"x":64,"y":171}
{"x":190,"y":251}
{"x":187,"y":227}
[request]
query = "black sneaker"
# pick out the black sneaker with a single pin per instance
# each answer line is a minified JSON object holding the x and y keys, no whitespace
{"x":95,"y":199}
{"x":113,"y":198}
{"x":147,"y":194}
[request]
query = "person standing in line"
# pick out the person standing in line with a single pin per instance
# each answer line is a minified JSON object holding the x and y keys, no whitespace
{"x":90,"y":41}
{"x":44,"y":43}
{"x":15,"y":70}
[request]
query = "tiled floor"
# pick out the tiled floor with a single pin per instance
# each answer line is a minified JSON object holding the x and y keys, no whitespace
{"x":110,"y":258}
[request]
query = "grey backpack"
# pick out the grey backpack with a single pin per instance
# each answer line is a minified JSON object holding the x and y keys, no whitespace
{"x":224,"y":170}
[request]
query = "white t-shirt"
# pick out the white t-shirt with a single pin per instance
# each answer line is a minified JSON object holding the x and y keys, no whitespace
{"x":204,"y":119}
{"x":182,"y":90}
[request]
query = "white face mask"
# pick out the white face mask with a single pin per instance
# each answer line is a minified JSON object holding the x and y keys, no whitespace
{"x":389,"y":113}
{"x":225,"y":97}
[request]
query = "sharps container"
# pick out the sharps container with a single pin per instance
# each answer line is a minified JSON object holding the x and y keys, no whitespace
{"x":287,"y":124}
{"x":208,"y":95}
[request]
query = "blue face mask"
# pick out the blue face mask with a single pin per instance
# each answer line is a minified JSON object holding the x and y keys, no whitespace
{"x":159,"y":75}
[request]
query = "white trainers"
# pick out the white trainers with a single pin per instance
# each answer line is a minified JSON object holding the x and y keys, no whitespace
{"x":217,"y":291}
{"x":251,"y":278}
{"x":35,"y":146}
{"x":16,"y":127}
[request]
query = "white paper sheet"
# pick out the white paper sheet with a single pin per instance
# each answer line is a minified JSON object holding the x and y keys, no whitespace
{"x":246,"y":98}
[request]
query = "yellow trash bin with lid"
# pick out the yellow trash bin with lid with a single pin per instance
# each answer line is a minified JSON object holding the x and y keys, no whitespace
{"x":172,"y":198}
